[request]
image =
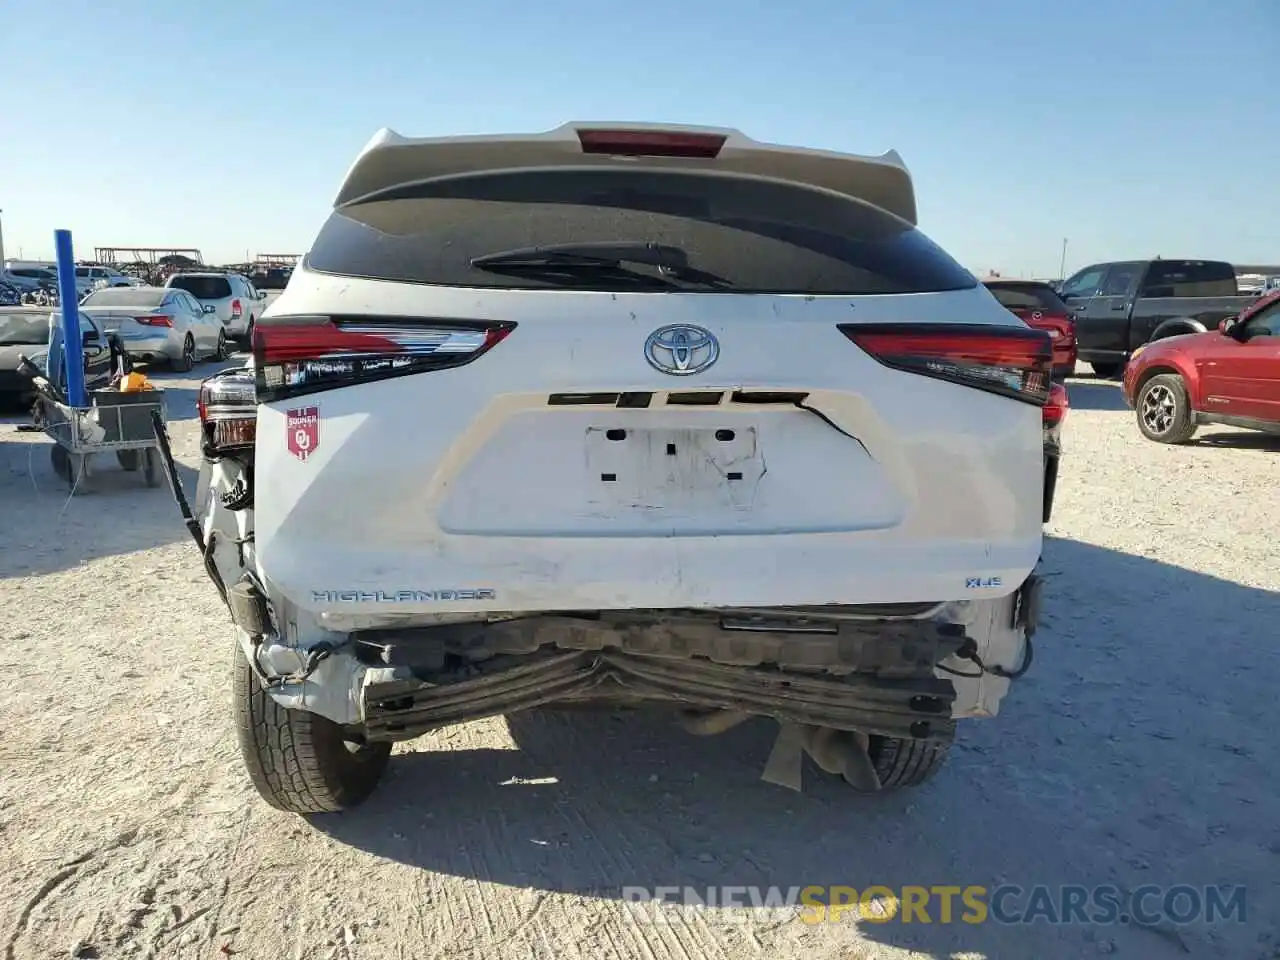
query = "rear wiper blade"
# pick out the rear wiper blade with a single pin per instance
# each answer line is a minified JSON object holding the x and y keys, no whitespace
{"x":585,"y":258}
{"x":628,"y":251}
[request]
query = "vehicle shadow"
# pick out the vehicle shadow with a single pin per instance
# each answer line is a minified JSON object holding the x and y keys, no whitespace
{"x":1131,"y":754}
{"x":1095,"y":395}
{"x":1238,"y":440}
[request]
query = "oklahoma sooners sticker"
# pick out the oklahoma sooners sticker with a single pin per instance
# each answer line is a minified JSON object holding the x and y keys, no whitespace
{"x":302,"y":431}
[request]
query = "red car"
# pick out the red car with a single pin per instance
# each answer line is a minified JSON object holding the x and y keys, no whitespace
{"x":1039,"y":307}
{"x":1228,"y":376}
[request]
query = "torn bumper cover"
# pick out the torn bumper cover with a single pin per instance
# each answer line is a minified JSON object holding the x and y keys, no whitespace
{"x":905,"y":678}
{"x":916,"y":707}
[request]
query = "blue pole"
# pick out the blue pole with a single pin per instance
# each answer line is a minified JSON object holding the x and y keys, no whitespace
{"x":72,"y":342}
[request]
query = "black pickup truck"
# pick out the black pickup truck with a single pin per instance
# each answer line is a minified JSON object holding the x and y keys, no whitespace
{"x":1117,"y":307}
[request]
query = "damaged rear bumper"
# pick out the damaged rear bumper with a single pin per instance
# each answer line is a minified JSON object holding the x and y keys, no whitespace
{"x":873,"y":676}
{"x":906,"y":671}
{"x":913,"y":707}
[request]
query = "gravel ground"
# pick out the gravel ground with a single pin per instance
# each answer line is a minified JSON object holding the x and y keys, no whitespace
{"x":1135,"y":752}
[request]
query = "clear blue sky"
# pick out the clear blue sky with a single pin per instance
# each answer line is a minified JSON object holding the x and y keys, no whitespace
{"x":1133,"y":127}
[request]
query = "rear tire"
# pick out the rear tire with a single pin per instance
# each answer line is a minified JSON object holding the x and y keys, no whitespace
{"x":221,"y":353}
{"x":299,"y":761}
{"x":907,"y":763}
{"x":886,"y":763}
{"x":129,"y":459}
{"x":186,"y":362}
{"x":1107,"y":371}
{"x":1164,"y":410}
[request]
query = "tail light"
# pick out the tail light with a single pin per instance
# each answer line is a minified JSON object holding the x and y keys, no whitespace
{"x":1061,"y":329}
{"x":1056,"y":407}
{"x":301,"y":355}
{"x":652,"y":143}
{"x":154,"y":320}
{"x":1014,"y":362}
{"x":1058,"y":326}
{"x":235,"y":309}
{"x":228,"y":409}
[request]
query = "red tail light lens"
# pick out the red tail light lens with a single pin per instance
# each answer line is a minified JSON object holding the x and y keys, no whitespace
{"x":301,"y":355}
{"x":1060,"y":329}
{"x":235,"y":308}
{"x":651,"y":143}
{"x":1012,"y":361}
{"x":1056,"y":407}
{"x":155,"y":320}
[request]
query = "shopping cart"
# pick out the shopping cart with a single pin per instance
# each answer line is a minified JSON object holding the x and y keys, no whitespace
{"x":116,"y":422}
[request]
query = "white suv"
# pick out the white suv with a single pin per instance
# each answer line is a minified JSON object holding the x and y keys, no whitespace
{"x":600,"y":414}
{"x":235,"y":302}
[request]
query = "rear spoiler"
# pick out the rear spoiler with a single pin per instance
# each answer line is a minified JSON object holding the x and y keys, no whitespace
{"x":390,"y":160}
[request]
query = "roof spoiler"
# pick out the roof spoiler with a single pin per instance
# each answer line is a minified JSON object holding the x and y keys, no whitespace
{"x":390,"y":160}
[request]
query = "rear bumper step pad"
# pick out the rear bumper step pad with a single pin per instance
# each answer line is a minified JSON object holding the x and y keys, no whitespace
{"x":915,"y":707}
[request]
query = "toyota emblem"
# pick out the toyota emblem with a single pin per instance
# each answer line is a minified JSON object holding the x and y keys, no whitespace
{"x":681,"y":349}
{"x":1037,"y":315}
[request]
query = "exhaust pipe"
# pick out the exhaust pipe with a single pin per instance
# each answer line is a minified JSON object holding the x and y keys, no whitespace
{"x":710,"y":722}
{"x":844,"y":752}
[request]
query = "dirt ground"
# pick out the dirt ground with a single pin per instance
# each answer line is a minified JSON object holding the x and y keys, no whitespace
{"x":1138,"y":750}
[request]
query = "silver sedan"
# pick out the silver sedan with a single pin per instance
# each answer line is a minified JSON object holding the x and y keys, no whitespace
{"x":155,"y":323}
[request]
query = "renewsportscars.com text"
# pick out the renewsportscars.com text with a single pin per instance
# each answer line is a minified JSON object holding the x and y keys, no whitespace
{"x":972,"y":904}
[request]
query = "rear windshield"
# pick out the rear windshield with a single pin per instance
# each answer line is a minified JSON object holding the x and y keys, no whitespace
{"x":24,"y":328}
{"x":1189,"y":278}
{"x":124,"y":297}
{"x":203,"y":288}
{"x":758,"y":236}
{"x":1028,"y":296}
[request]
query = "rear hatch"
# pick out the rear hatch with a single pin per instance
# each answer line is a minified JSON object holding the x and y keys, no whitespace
{"x":816,"y":406}
{"x":215,"y":291}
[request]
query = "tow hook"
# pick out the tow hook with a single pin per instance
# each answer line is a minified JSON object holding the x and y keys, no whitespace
{"x":1026,"y":608}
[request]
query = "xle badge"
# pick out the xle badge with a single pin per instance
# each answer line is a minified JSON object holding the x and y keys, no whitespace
{"x":302,"y":427}
{"x":981,"y":583}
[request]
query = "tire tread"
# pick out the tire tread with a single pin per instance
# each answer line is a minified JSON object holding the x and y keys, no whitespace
{"x":907,"y":763}
{"x":1184,"y":425}
{"x":290,"y":754}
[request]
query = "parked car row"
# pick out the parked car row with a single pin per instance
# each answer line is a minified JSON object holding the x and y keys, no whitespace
{"x":1193,"y":347}
{"x":195,"y":315}
{"x":31,"y":276}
